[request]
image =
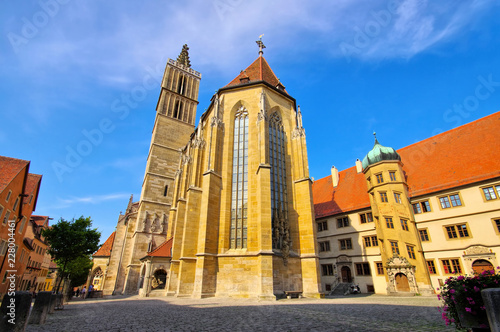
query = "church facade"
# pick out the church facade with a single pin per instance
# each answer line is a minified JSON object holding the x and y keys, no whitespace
{"x":233,"y":195}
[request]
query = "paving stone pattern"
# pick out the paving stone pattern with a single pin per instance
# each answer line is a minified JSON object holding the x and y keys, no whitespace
{"x":350,"y":313}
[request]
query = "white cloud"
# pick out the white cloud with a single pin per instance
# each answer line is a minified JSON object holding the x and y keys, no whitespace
{"x":63,"y":203}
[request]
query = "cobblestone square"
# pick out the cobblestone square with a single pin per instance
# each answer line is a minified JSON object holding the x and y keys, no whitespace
{"x":350,"y":313}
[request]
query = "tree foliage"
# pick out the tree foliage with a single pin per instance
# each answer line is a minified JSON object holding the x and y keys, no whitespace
{"x":71,"y":243}
{"x":79,"y":269}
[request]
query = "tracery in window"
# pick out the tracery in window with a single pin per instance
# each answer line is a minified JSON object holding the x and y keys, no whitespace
{"x":279,"y":203}
{"x":239,"y":201}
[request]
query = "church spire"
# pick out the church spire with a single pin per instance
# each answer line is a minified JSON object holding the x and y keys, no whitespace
{"x":261,"y":45}
{"x":183,"y":58}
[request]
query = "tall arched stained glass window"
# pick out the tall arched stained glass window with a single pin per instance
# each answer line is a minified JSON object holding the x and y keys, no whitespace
{"x":279,"y":204}
{"x":239,"y":201}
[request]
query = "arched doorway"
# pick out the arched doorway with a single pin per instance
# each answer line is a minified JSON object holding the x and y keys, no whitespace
{"x":159,"y":279}
{"x":96,"y":279}
{"x":402,"y":284}
{"x":346,"y":274}
{"x":481,"y":265}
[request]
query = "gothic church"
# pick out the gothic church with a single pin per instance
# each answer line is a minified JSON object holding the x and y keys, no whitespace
{"x":226,"y":207}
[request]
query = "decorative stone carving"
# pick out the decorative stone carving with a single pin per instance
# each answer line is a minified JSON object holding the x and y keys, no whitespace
{"x":398,"y":261}
{"x":281,"y":233}
{"x":474,"y":253}
{"x":216,"y":122}
{"x":145,"y":222}
{"x":299,"y":130}
{"x":164,"y":224}
{"x":477,"y":250}
{"x":156,"y":224}
{"x":186,"y":159}
{"x":262,"y":115}
{"x":398,"y":264}
{"x":344,"y":259}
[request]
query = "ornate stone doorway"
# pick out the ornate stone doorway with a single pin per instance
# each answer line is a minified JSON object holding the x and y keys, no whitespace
{"x":401,"y":275}
{"x":346,"y":274}
{"x":478,"y":259}
{"x":481,"y":265}
{"x":97,"y":279}
{"x":402,"y":284}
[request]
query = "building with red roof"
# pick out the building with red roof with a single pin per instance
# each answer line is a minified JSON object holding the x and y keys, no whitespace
{"x":101,"y":262}
{"x":155,"y":266}
{"x":18,"y":196}
{"x":39,"y":259}
{"x":432,"y":207}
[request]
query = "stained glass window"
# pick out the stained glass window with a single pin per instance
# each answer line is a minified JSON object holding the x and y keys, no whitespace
{"x":239,"y":201}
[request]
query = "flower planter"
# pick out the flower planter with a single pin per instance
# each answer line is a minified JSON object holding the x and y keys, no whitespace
{"x":475,"y":322}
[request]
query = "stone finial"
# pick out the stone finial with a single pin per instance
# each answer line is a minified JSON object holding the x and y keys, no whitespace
{"x":183,"y":58}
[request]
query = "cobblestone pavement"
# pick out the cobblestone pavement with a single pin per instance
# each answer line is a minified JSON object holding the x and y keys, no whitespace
{"x":350,"y":313}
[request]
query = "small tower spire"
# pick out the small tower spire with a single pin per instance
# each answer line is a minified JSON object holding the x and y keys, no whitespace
{"x":261,"y":45}
{"x":375,"y":135}
{"x":183,"y":58}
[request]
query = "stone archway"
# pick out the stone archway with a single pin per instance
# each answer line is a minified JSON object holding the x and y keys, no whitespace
{"x":401,"y":275}
{"x":159,"y":279}
{"x":476,"y":256}
{"x":97,"y":278}
{"x":402,"y":284}
{"x":480,"y":265}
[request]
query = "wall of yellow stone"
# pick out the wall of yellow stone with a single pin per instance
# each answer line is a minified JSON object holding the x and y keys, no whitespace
{"x":204,"y":232}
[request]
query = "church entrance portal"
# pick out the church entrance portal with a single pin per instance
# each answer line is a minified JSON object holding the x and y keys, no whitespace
{"x":402,"y":284}
{"x":159,"y":279}
{"x":346,"y":274}
{"x":482,"y":265}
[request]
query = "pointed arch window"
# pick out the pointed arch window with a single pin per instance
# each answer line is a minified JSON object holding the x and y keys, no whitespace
{"x":239,"y":201}
{"x":279,"y":203}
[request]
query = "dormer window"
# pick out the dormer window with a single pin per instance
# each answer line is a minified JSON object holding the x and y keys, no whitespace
{"x":280,"y":87}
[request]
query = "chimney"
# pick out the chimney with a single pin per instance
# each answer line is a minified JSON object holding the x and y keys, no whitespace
{"x":335,"y":176}
{"x":359,"y":166}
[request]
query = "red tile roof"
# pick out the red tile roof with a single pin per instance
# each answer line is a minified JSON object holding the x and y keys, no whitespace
{"x":40,"y":220}
{"x":32,"y":183}
{"x":259,"y":70}
{"x":33,"y":188}
{"x":350,"y":194}
{"x":164,"y":250}
{"x":9,"y":168}
{"x":458,"y":157}
{"x":105,"y":249}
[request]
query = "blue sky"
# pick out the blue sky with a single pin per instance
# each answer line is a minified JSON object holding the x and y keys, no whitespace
{"x":406,"y":69}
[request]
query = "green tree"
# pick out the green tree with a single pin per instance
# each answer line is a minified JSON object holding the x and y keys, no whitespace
{"x":78,"y":269}
{"x":70,"y":243}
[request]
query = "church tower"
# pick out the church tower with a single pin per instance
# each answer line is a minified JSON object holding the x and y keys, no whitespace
{"x":242,"y":218}
{"x":174,"y":123}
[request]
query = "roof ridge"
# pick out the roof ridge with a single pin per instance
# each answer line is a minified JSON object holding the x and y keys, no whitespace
{"x":452,"y":130}
{"x":258,"y":71}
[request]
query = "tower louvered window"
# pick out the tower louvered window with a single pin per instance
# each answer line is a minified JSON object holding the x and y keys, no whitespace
{"x":239,"y":201}
{"x":279,"y":204}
